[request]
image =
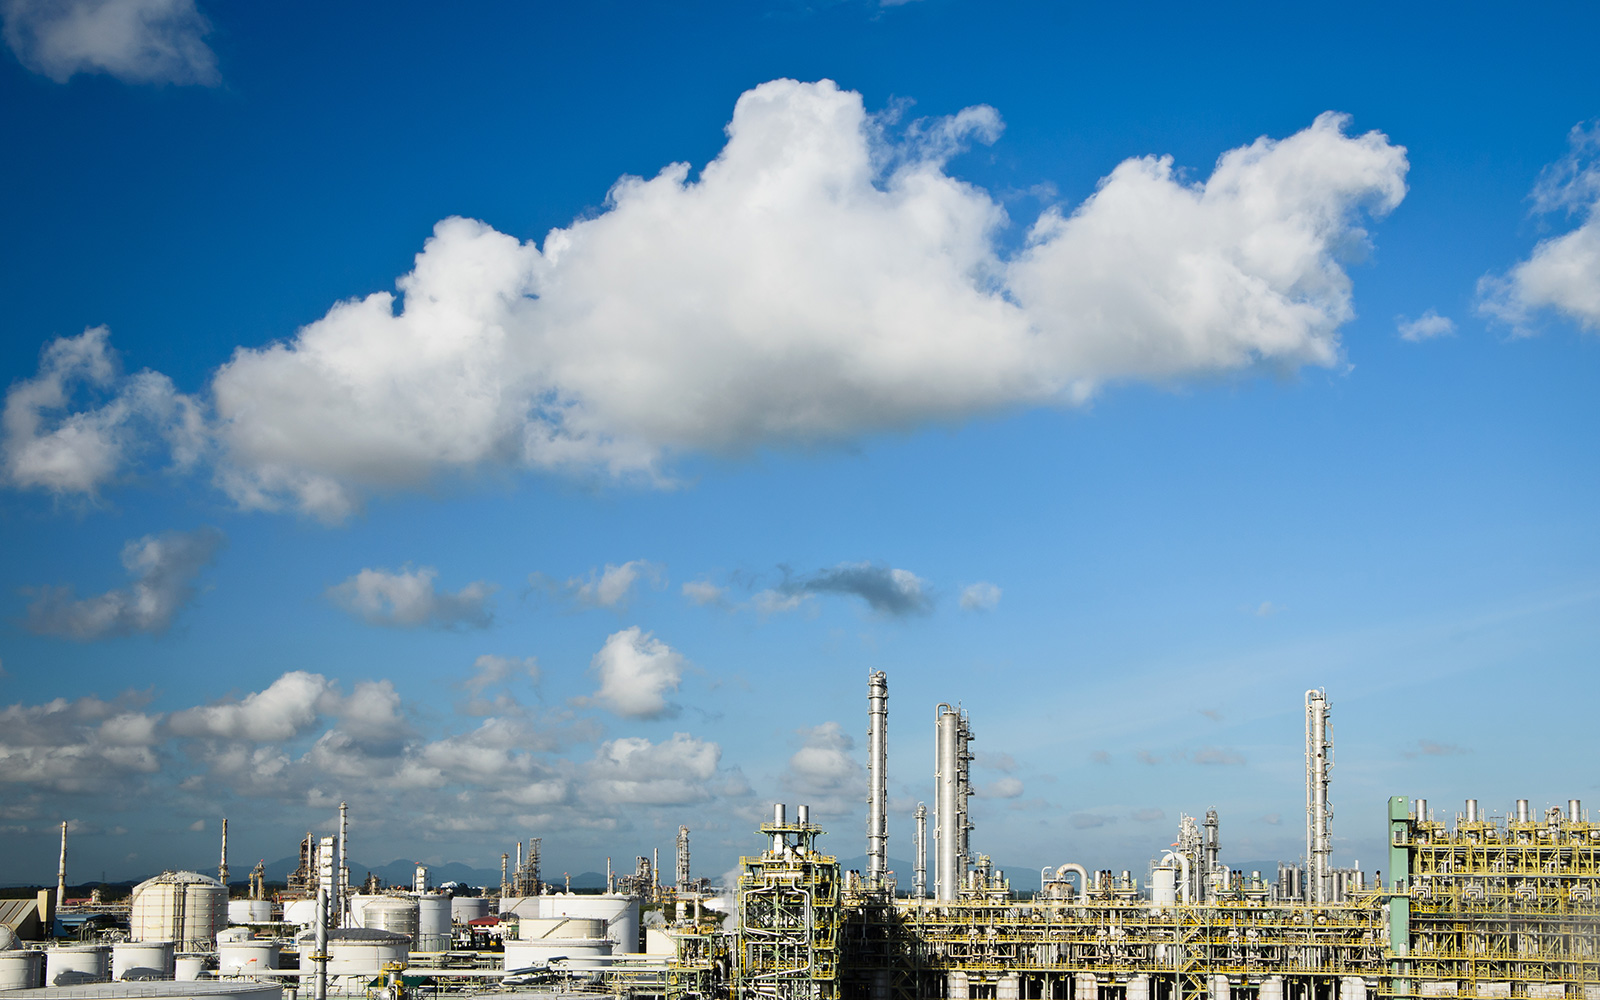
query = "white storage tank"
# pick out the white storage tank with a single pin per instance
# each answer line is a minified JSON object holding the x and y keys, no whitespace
{"x":544,"y":938}
{"x":465,"y":909}
{"x":249,"y":911}
{"x":244,"y":956}
{"x":142,"y":960}
{"x":359,"y":951}
{"x":185,"y":907}
{"x":21,"y":969}
{"x":621,"y":914}
{"x":433,"y":923}
{"x":72,"y":964}
{"x":396,"y":914}
{"x":300,"y":912}
{"x":187,"y":968}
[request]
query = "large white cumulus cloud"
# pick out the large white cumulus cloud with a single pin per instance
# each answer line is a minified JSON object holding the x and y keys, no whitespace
{"x":817,"y":280}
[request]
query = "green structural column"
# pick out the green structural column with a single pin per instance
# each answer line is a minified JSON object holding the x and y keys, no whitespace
{"x":1399,"y":891}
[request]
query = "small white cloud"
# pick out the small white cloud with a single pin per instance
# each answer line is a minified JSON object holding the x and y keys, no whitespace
{"x":48,"y":446}
{"x":611,"y":587}
{"x":637,"y":671}
{"x":136,"y":41}
{"x":824,"y":772}
{"x":489,"y":670}
{"x":407,"y":599}
{"x":1266,"y":609}
{"x":1425,"y":327}
{"x":1272,"y":819}
{"x":1563,"y":272}
{"x":890,"y":592}
{"x":1149,"y":815}
{"x":1089,"y":821}
{"x":773,"y":602}
{"x":634,"y":770}
{"x":163,"y":567}
{"x":705,"y":593}
{"x":979,"y":597}
{"x":197,"y":826}
{"x":1001,"y":788}
{"x":286,"y":708}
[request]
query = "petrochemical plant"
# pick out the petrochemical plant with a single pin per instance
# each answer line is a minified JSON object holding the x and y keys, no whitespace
{"x":1481,"y":907}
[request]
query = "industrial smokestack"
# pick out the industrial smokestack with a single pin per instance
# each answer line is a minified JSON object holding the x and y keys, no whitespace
{"x":1522,"y":810}
{"x":535,"y":879}
{"x":920,"y":887}
{"x":61,"y":871}
{"x":1472,"y":810}
{"x":222,"y":867}
{"x":1319,"y":757}
{"x":877,"y":778}
{"x":516,"y":873}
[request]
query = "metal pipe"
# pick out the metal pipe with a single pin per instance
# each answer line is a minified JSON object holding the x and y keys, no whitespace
{"x":877,"y":778}
{"x":920,"y":886}
{"x":946,"y":813}
{"x":1213,"y":851}
{"x":1183,"y":865}
{"x":1319,"y":757}
{"x":516,"y":872}
{"x":1083,"y":876}
{"x":779,"y":818}
{"x":1422,"y":810}
{"x":1472,"y":810}
{"x":1574,"y":811}
{"x":1522,"y":810}
{"x":222,"y":866}
{"x":321,"y":957}
{"x":802,"y":815}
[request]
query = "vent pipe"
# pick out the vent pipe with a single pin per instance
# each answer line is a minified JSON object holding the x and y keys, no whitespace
{"x":1522,"y":810}
{"x":1472,"y":810}
{"x":1319,"y":758}
{"x":61,"y":871}
{"x":222,"y":867}
{"x":877,"y":778}
{"x":1574,"y":811}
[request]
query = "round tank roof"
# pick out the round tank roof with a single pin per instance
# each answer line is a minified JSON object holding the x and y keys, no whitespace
{"x":178,"y":878}
{"x":372,"y":934}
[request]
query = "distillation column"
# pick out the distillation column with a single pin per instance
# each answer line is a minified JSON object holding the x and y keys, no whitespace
{"x":877,"y":778}
{"x":951,"y":827}
{"x":222,"y":867}
{"x":1211,"y":863}
{"x":61,"y":872}
{"x":683,"y":859}
{"x":920,"y":887}
{"x":1319,"y":757}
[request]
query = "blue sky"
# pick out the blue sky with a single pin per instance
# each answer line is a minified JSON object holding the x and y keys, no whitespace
{"x":926,"y":359}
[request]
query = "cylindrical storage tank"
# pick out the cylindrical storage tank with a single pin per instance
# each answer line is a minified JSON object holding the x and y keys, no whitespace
{"x":540,"y":940}
{"x":70,"y":965}
{"x":465,"y":909}
{"x":243,"y":958}
{"x":1164,"y":885}
{"x":185,"y":907}
{"x":21,"y":969}
{"x":621,"y":914}
{"x":396,"y":914}
{"x":249,"y":911}
{"x":433,"y":923}
{"x":300,"y":912}
{"x":142,"y":960}
{"x":187,"y":968}
{"x":360,"y":951}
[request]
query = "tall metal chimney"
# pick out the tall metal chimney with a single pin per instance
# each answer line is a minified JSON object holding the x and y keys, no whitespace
{"x":222,"y":867}
{"x":516,"y":872}
{"x":343,"y":902}
{"x":920,"y":887}
{"x":535,"y":879}
{"x":61,"y":871}
{"x":1319,"y":757}
{"x":877,"y":778}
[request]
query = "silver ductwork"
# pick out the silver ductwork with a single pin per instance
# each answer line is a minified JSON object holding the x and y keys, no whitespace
{"x":1319,"y":758}
{"x":877,"y":778}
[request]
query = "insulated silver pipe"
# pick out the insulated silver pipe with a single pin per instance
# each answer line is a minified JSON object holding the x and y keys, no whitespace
{"x":61,"y":872}
{"x":877,"y":778}
{"x":1319,"y":758}
{"x":1422,"y":810}
{"x":947,"y":815}
{"x":1472,"y":810}
{"x":920,"y":887}
{"x":802,"y":815}
{"x":1574,"y":811}
{"x":1522,"y":810}
{"x":321,"y":957}
{"x":222,"y":867}
{"x":779,"y":818}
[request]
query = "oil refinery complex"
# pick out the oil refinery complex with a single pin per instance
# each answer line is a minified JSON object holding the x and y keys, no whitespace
{"x":1484,"y":906}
